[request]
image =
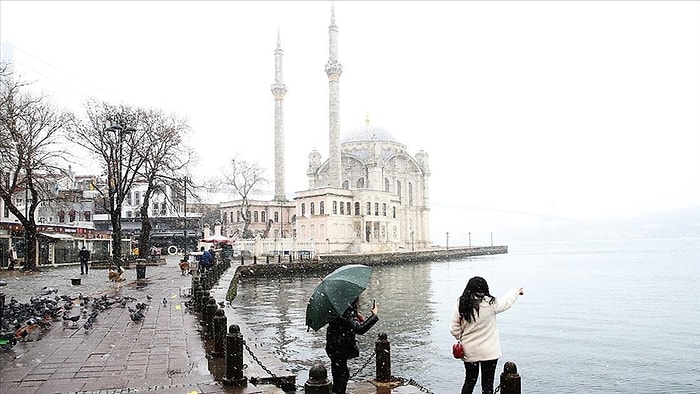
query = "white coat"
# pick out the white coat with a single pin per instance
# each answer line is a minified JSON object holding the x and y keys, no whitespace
{"x":480,"y":338}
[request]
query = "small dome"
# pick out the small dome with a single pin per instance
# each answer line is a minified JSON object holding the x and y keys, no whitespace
{"x":368,"y":132}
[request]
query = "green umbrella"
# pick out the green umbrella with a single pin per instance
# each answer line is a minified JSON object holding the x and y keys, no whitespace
{"x":335,"y":294}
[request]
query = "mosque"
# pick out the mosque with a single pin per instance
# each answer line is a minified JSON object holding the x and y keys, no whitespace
{"x":369,"y":195}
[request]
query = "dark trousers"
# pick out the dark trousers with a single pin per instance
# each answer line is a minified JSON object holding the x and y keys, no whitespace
{"x":488,"y":371}
{"x":341,"y":374}
{"x":83,"y":267}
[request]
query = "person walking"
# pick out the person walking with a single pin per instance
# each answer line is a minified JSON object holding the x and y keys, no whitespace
{"x":341,"y":344}
{"x":84,"y":257}
{"x":473,"y":323}
{"x":12,"y":254}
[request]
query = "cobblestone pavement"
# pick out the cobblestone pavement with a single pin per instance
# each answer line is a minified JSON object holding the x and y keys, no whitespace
{"x":162,"y":352}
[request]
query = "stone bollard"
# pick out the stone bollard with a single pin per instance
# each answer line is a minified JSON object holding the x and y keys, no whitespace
{"x":318,"y":382}
{"x":290,"y":256}
{"x":510,"y":380}
{"x":219,"y":333}
{"x":279,"y":258}
{"x":234,"y":358}
{"x":210,"y":311}
{"x":267,"y":259}
{"x":242,"y":260}
{"x":255,"y":259}
{"x":382,"y":348}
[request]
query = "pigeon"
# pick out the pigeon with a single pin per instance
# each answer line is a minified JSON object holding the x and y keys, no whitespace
{"x":148,"y":297}
{"x":165,"y":301}
{"x":137,"y":316}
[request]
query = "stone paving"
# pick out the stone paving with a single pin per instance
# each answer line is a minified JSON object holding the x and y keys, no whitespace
{"x":162,"y":352}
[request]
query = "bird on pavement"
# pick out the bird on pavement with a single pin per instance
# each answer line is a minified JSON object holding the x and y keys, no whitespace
{"x":165,"y":301}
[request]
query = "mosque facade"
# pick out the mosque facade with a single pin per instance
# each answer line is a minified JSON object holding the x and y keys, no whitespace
{"x":369,"y":194}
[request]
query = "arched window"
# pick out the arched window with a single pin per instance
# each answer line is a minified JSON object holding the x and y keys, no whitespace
{"x":255,"y":216}
{"x":393,"y":212}
{"x":303,"y":210}
{"x":342,"y":208}
{"x":410,"y":193}
{"x":376,"y":209}
{"x":335,"y":207}
{"x":357,"y":209}
{"x":277,"y":217}
{"x":369,"y":208}
{"x":311,"y":209}
{"x":398,"y":189}
{"x":321,"y":208}
{"x":238,"y":216}
{"x":386,"y":184}
{"x":383,"y":209}
{"x":262,"y":217}
{"x":361,"y":183}
{"x":346,"y":184}
{"x":349,"y":205}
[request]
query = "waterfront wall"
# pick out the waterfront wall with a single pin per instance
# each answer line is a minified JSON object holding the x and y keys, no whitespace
{"x":329,"y":262}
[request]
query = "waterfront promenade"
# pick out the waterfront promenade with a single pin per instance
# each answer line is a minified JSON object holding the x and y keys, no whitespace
{"x":162,"y":352}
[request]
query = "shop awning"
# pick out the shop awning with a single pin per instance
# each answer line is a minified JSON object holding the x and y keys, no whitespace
{"x":57,"y":235}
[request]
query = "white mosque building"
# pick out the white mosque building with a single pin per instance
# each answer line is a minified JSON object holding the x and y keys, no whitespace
{"x":368,"y":195}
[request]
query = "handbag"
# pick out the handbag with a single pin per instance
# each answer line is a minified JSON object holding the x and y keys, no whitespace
{"x":457,"y":348}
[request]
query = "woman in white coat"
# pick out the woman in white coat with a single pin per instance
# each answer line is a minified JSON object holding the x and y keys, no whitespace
{"x":474,"y":325}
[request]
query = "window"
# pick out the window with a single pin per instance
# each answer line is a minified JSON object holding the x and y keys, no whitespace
{"x":346,"y":184}
{"x":384,"y":209}
{"x":277,"y":217}
{"x":303,"y":209}
{"x":128,"y":198}
{"x":357,"y":209}
{"x":321,"y":208}
{"x":361,"y":183}
{"x":369,"y":208}
{"x":238,"y":216}
{"x":255,"y":216}
{"x":398,"y":189}
{"x":393,"y":212}
{"x":342,"y":208}
{"x":349,"y":206}
{"x":311,"y":208}
{"x":129,"y":214}
{"x":376,"y":209}
{"x":386,"y":184}
{"x":137,"y":198}
{"x":263,"y":217}
{"x":410,"y":193}
{"x":335,"y":207}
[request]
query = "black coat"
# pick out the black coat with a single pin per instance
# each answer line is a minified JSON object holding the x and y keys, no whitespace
{"x":340,"y":335}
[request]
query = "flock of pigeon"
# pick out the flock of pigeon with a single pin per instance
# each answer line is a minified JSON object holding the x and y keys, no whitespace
{"x":21,"y":319}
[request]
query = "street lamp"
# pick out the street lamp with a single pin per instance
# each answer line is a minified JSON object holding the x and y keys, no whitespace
{"x":119,"y":130}
{"x":447,"y":240}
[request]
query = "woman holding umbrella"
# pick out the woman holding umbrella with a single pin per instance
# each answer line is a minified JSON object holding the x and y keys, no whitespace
{"x":341,"y":344}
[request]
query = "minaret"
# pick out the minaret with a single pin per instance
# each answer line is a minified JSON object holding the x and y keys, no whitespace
{"x":333,"y":70}
{"x":279,"y":89}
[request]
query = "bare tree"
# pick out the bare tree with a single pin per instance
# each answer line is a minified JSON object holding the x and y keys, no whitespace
{"x":245,"y":178}
{"x":112,"y":135}
{"x":29,"y":147}
{"x":164,"y":156}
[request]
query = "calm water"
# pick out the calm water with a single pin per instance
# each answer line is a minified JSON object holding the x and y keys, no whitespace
{"x":597,"y":317}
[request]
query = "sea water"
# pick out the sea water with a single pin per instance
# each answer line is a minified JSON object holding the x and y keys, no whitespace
{"x":618,"y":316}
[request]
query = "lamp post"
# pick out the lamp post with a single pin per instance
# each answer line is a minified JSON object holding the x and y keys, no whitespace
{"x":184,"y":230}
{"x":447,"y":241}
{"x":119,"y":129}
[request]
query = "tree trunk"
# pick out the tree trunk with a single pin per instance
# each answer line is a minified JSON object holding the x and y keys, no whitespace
{"x":145,"y":237}
{"x":30,"y":247}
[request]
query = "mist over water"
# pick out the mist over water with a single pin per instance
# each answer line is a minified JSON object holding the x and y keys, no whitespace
{"x":596,"y":317}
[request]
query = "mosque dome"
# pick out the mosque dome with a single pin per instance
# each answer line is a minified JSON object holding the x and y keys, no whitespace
{"x":367,"y":132}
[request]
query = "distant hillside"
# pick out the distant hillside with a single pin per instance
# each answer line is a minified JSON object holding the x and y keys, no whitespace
{"x":676,"y":223}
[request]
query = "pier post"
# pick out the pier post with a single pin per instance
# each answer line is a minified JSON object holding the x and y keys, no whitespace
{"x":210,"y":310}
{"x":382,"y":348}
{"x":318,"y":382}
{"x":255,"y":259}
{"x":219,"y":333}
{"x":197,"y":296}
{"x":242,"y":259}
{"x":234,"y":357}
{"x":510,"y":380}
